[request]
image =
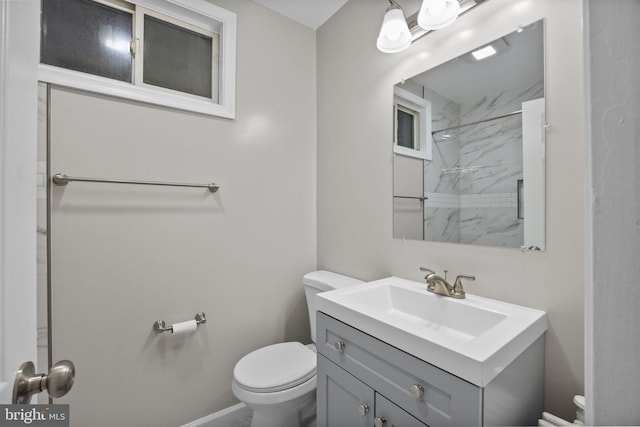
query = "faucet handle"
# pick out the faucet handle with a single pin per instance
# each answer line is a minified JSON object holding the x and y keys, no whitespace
{"x":458,"y":289}
{"x":428,"y":270}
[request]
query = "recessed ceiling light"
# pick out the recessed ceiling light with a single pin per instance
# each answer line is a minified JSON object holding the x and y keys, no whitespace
{"x":484,"y":52}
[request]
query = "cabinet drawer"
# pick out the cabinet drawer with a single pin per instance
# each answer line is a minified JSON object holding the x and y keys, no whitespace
{"x":390,"y":415}
{"x":440,"y":399}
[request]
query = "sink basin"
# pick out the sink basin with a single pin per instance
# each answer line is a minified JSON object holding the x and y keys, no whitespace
{"x":473,"y":338}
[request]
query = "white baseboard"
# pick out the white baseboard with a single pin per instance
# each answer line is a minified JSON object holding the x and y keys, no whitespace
{"x":223,"y":418}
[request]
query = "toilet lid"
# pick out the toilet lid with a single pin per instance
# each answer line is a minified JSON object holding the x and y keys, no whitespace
{"x":276,"y":367}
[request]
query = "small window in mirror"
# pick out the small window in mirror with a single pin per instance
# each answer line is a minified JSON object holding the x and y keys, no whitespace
{"x":406,"y":132}
{"x":412,"y":125}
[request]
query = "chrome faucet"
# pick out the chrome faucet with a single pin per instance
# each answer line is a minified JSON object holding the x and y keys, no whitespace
{"x":439,"y":285}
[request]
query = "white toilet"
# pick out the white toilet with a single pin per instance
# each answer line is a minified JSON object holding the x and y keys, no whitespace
{"x":279,"y":381}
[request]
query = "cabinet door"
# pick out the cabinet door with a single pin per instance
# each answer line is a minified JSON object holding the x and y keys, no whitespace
{"x":343,"y":400}
{"x":390,"y":415}
{"x":444,"y":400}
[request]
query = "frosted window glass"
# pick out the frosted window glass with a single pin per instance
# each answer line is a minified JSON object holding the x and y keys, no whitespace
{"x":85,"y":36}
{"x":177,"y":58}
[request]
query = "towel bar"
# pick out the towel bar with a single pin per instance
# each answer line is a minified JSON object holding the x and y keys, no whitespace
{"x":62,"y":179}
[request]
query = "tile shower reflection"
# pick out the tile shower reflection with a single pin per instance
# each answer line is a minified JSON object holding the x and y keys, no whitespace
{"x":471,"y":184}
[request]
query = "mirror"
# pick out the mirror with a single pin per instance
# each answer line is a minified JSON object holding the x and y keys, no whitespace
{"x":469,"y":158}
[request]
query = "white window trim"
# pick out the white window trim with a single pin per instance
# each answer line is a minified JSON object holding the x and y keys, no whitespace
{"x":423,"y":107}
{"x":196,"y":12}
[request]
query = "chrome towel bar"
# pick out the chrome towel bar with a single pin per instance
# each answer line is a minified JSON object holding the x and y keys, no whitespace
{"x":161,"y":325}
{"x":62,"y":179}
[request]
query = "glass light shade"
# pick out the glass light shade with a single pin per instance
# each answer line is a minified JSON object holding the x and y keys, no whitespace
{"x":394,"y":34}
{"x":433,"y":16}
{"x":436,"y":7}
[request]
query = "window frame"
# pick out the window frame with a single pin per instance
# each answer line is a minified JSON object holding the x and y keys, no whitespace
{"x":422,"y":138}
{"x":198,"y":13}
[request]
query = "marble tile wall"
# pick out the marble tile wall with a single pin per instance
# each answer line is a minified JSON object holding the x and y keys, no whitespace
{"x":493,"y":149}
{"x":442,"y":217}
{"x":480,"y":165}
{"x":442,"y":208}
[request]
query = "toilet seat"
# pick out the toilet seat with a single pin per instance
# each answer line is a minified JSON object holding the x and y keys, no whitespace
{"x":275,"y":368}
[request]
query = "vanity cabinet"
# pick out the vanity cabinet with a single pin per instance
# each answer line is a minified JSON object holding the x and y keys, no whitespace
{"x":349,"y":402}
{"x":390,"y":415}
{"x":363,"y":381}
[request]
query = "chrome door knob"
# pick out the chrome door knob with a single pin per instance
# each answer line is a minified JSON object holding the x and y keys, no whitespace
{"x":379,"y":422}
{"x":363,"y":409}
{"x":416,"y":391}
{"x":339,"y":345}
{"x":58,"y":382}
{"x":60,"y":379}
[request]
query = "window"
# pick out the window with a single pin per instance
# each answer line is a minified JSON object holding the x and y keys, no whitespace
{"x":157,"y":51}
{"x":412,"y":125}
{"x":178,"y":58}
{"x":88,"y":37}
{"x":407,"y":132}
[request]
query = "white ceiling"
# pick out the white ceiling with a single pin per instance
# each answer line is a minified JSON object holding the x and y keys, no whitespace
{"x":312,"y":13}
{"x":522,"y":63}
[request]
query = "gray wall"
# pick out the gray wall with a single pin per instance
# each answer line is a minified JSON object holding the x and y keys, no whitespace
{"x":355,"y":208}
{"x":613,"y":209}
{"x":123,"y":257}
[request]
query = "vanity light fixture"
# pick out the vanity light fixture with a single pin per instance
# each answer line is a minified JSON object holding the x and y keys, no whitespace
{"x":394,"y":34}
{"x":397,"y":32}
{"x":437,"y":14}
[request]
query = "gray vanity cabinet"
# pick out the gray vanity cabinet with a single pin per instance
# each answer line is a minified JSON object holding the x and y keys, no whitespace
{"x":355,"y":369}
{"x":390,"y":415}
{"x":348,"y":402}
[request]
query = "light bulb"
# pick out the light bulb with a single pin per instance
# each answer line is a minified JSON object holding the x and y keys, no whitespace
{"x":436,"y":7}
{"x":429,"y":20}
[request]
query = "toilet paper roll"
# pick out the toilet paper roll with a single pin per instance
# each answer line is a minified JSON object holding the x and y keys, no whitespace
{"x":184,"y":327}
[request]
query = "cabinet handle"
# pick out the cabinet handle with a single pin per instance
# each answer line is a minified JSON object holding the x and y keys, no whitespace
{"x":416,"y":391}
{"x":339,"y":345}
{"x":379,"y":421}
{"x":363,"y":409}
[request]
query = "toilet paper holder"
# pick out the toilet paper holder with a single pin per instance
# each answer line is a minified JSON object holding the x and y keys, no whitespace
{"x":161,"y":325}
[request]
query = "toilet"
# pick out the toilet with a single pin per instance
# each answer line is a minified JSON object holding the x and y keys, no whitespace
{"x":278,"y":382}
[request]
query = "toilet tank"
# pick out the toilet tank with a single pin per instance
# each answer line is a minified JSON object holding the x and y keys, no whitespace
{"x":321,"y":281}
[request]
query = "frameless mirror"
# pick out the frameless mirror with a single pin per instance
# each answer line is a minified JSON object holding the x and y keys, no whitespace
{"x":469,"y":158}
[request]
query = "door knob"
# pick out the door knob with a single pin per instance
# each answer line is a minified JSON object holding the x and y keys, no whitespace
{"x":57,"y":382}
{"x":339,"y":346}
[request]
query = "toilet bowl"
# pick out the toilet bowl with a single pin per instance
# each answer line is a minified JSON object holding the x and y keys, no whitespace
{"x":278,"y":382}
